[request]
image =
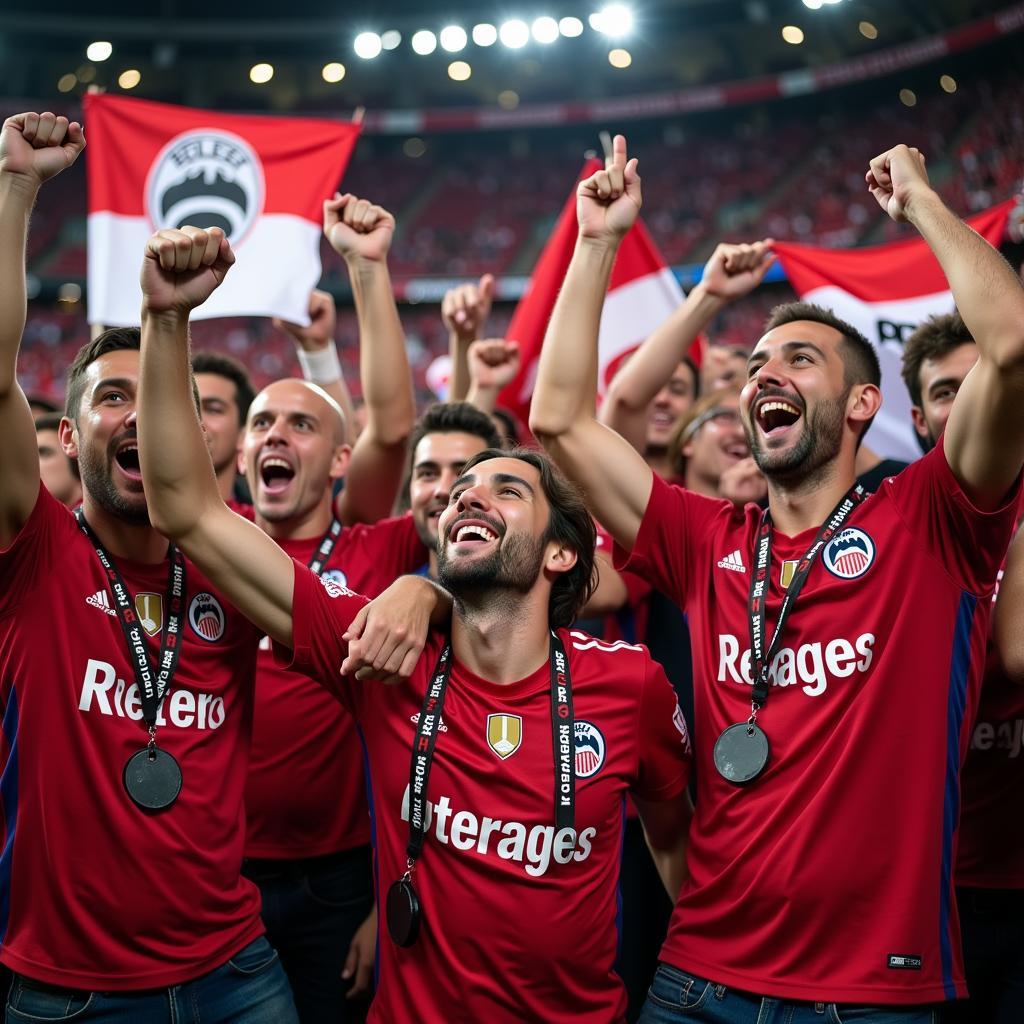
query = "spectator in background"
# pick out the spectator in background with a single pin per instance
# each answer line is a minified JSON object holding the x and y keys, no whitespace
{"x":59,"y":473}
{"x":225,"y":393}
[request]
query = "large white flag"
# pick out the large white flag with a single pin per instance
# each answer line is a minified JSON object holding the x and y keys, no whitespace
{"x":884,"y":291}
{"x":262,"y":179}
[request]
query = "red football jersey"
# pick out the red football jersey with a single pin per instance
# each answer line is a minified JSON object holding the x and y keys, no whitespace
{"x":306,"y":791}
{"x":98,"y":894}
{"x":851,"y":830}
{"x":518,"y":920}
{"x":990,"y":854}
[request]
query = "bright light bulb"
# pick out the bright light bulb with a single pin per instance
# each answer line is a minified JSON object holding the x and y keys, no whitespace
{"x":545,"y":30}
{"x":570,"y":27}
{"x":459,"y":71}
{"x":333,"y":72}
{"x":515,"y":34}
{"x":424,"y":42}
{"x":260,"y":74}
{"x":367,"y":45}
{"x":129,"y":79}
{"x":793,"y":34}
{"x":391,"y":39}
{"x":614,"y":20}
{"x":484,"y":34}
{"x":453,"y":38}
{"x":99,"y":51}
{"x":620,"y":58}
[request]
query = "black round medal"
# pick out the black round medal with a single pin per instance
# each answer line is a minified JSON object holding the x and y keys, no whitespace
{"x":403,"y":913}
{"x":152,"y":778}
{"x":741,"y":753}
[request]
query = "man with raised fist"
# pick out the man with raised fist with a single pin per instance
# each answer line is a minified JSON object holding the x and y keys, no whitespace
{"x":838,"y":637}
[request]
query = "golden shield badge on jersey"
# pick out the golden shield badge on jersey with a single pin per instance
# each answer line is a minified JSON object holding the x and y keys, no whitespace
{"x":151,"y":612}
{"x":788,"y":572}
{"x":504,"y":734}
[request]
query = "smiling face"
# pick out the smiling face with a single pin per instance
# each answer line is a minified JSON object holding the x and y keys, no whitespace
{"x":103,"y":436}
{"x":669,"y":404}
{"x":492,"y":534}
{"x":718,"y":442}
{"x":218,"y":400}
{"x":293,"y":450}
{"x":794,"y":404}
{"x":436,"y":465}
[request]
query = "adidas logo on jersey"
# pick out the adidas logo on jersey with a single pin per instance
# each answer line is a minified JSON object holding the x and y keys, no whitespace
{"x":101,"y":601}
{"x":534,"y":847}
{"x":733,"y":562}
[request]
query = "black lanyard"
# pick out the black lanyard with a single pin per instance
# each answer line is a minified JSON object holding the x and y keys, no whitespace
{"x":323,"y":552}
{"x":760,"y":659}
{"x":426,"y":737}
{"x":153,"y":684}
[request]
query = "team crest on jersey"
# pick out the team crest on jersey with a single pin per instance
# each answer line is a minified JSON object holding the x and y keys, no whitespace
{"x":787,"y":572}
{"x":206,"y":617}
{"x":207,"y":178}
{"x":849,"y":554}
{"x":337,"y":575}
{"x":589,"y":749}
{"x":334,"y":586}
{"x":504,"y":734}
{"x":150,"y":608}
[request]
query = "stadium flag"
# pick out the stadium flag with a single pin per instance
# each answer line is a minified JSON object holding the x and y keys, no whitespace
{"x":643,"y":291}
{"x":884,"y":291}
{"x":262,"y":179}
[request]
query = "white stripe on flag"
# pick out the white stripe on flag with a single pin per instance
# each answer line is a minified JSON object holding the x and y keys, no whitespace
{"x":887,"y":324}
{"x":278,"y":266}
{"x":633,"y":311}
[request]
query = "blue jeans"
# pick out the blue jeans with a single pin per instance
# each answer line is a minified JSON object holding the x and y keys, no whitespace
{"x":312,"y":908}
{"x":677,"y":996}
{"x":249,"y":989}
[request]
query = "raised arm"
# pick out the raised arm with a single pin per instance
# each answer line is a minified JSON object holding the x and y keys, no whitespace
{"x":613,"y":474}
{"x":464,"y":311}
{"x":984,"y":436}
{"x":493,"y":364}
{"x":361,"y":233}
{"x":180,"y":270}
{"x":732,"y":272}
{"x":33,"y":148}
{"x":318,"y":354}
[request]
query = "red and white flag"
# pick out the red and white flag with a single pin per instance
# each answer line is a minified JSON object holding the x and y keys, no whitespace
{"x":885,"y":291}
{"x":643,"y":291}
{"x":262,"y":179}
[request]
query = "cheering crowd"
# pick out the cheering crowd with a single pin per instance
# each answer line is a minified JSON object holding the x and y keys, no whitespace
{"x":273,"y":753}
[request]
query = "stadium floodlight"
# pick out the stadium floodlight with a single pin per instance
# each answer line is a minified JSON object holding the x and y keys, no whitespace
{"x":453,"y":38}
{"x":333,"y":72}
{"x":367,"y":45}
{"x":514,"y":34}
{"x":614,"y":20}
{"x":570,"y":27}
{"x":129,"y":78}
{"x":459,"y":71}
{"x":260,"y":74}
{"x":484,"y":34}
{"x":793,"y":34}
{"x":424,"y":42}
{"x":391,"y":39}
{"x":620,"y":58}
{"x":99,"y":51}
{"x":544,"y":29}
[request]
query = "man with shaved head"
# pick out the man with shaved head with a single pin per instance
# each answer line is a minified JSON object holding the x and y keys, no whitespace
{"x":307,"y":820}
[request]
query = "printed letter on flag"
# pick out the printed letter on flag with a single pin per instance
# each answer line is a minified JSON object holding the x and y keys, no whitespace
{"x":642,"y":293}
{"x":884,"y":291}
{"x":262,"y":179}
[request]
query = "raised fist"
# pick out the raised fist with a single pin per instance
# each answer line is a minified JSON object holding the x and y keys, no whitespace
{"x":895,"y":177}
{"x":322,"y":319}
{"x":735,"y":270}
{"x":38,"y":146}
{"x":493,"y":363}
{"x":357,"y":229}
{"x":608,"y":202}
{"x":182,"y":269}
{"x":464,"y":309}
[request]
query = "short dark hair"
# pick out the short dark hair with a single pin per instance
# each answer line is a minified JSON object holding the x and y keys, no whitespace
{"x":451,"y":418}
{"x":49,"y":421}
{"x":694,"y":374}
{"x":570,"y":523}
{"x":859,"y":356}
{"x":936,"y":337}
{"x":231,"y":369}
{"x":117,"y":339}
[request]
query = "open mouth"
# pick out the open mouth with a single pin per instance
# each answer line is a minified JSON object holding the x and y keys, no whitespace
{"x":470,"y":534}
{"x":776,"y":415}
{"x":128,"y":460}
{"x":276,"y":474}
